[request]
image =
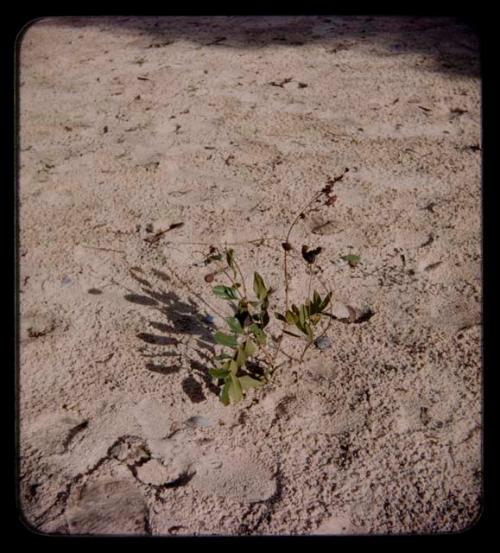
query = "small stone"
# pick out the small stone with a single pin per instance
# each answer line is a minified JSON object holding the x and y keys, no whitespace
{"x":199,"y":421}
{"x":323,"y":342}
{"x":66,"y":280}
{"x":208,"y":319}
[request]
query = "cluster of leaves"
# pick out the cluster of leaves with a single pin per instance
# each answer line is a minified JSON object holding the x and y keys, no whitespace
{"x":245,"y":340}
{"x":247,"y":335}
{"x":352,"y":259}
{"x":306,"y":316}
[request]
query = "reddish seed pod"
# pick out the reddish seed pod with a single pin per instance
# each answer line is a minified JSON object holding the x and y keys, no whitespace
{"x":331,"y":200}
{"x":209,"y":277}
{"x":286,"y":246}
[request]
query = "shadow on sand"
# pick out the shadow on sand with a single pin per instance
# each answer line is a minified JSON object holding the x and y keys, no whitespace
{"x":178,"y":318}
{"x":450,"y":45}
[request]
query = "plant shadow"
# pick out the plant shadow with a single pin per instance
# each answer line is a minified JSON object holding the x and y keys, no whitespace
{"x":175,"y":319}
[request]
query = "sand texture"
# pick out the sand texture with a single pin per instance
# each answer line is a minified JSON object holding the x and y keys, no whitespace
{"x":230,"y":125}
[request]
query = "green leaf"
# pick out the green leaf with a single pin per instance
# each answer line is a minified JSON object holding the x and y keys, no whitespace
{"x":264,"y":317}
{"x":225,"y":292}
{"x":249,"y":382}
{"x":225,"y":339}
{"x":314,"y":305}
{"x":233,"y":367}
{"x":325,"y":302}
{"x":241,"y":355}
{"x":309,"y":331}
{"x":291,"y":318}
{"x":315,"y":318}
{"x":223,"y":356}
{"x":234,"y":324}
{"x":249,"y":348}
{"x":234,"y":390}
{"x":259,"y":287}
{"x":224,"y":392}
{"x":301,"y":327}
{"x":259,"y":334}
{"x":302,"y":315}
{"x":352,"y":259}
{"x":218,"y":373}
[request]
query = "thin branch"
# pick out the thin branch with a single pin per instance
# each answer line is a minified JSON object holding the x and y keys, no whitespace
{"x":242,"y":278}
{"x":294,"y":222}
{"x":308,"y":345}
{"x":310,"y":271}
{"x":285,"y":270}
{"x":258,"y":241}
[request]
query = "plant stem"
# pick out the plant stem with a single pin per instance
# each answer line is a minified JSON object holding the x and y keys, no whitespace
{"x":285,"y":270}
{"x":308,"y":345}
{"x":294,"y":222}
{"x":240,"y":243}
{"x":267,"y":355}
{"x":241,"y":276}
{"x":310,"y":270}
{"x":278,"y":349}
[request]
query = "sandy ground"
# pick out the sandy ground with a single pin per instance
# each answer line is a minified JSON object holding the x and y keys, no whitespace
{"x":229,"y":125}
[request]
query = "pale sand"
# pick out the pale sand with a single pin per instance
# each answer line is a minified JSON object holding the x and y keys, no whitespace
{"x":132,"y":124}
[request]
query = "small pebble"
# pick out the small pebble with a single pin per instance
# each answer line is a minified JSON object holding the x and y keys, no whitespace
{"x":208,"y":319}
{"x":323,"y":342}
{"x":66,"y":280}
{"x":199,"y":421}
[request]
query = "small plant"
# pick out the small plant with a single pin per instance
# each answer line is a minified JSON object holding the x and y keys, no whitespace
{"x":237,"y":365}
{"x":246,"y":335}
{"x":245,"y":361}
{"x":352,"y":259}
{"x":306,"y":316}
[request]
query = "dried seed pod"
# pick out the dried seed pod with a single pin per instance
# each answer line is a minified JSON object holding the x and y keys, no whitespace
{"x":310,"y":256}
{"x":331,"y":200}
